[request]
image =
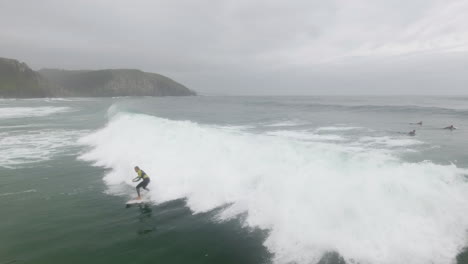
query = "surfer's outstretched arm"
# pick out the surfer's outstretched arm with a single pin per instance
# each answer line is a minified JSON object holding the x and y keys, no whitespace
{"x":136,"y":179}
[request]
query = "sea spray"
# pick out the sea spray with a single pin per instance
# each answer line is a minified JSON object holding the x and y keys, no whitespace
{"x":313,"y":197}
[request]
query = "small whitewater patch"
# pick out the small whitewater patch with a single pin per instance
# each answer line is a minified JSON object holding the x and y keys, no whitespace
{"x":58,"y":99}
{"x":19,"y":126}
{"x":389,"y":141}
{"x":21,"y":112}
{"x":337,"y":128}
{"x":235,"y":128}
{"x":20,"y":192}
{"x":305,"y":135}
{"x":286,"y":123}
{"x":35,"y":146}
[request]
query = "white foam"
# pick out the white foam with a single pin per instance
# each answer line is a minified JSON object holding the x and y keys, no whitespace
{"x":20,"y":126}
{"x":314,"y":197}
{"x":286,"y":123}
{"x":389,"y":141}
{"x":58,"y":100}
{"x":20,"y":192}
{"x":305,"y":135}
{"x":234,"y":127}
{"x":337,"y":128}
{"x":20,"y":112}
{"x":22,"y":148}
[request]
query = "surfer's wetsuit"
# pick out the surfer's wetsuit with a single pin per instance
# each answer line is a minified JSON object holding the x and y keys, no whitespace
{"x":146,"y":179}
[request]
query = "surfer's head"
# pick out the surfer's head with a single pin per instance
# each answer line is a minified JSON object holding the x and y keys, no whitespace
{"x":137,"y":169}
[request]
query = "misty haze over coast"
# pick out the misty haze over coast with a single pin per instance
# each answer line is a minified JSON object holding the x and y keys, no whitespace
{"x":252,"y":47}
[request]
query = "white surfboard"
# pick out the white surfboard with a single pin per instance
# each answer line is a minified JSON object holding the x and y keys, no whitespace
{"x":136,"y":201}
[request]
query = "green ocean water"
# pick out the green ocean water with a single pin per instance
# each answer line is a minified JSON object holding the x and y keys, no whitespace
{"x":59,"y":208}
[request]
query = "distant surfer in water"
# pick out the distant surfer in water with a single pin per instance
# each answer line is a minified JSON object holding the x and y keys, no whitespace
{"x":418,"y":123}
{"x":412,"y":133}
{"x":141,"y":176}
{"x":451,"y":127}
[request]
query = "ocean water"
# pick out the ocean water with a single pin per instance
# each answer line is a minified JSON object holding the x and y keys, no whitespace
{"x":234,"y":180}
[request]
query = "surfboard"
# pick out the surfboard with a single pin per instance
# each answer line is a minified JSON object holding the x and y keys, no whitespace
{"x":136,"y":201}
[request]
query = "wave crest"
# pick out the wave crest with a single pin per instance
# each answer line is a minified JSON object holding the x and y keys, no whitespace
{"x":313,"y":197}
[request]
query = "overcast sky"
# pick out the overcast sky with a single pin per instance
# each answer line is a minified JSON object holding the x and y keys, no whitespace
{"x":251,"y":47}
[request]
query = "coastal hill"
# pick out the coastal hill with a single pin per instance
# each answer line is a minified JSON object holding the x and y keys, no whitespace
{"x":17,"y":80}
{"x":118,"y":82}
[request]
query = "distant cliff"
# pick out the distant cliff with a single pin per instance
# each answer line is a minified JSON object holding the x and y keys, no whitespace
{"x":115,"y":83}
{"x":17,"y":80}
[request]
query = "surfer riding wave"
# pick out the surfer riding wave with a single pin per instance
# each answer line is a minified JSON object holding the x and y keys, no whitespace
{"x":141,"y":176}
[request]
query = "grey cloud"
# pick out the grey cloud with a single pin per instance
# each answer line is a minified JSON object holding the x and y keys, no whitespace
{"x":251,"y":47}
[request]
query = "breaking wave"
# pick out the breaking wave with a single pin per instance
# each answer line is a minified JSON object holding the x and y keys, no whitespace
{"x":312,"y":196}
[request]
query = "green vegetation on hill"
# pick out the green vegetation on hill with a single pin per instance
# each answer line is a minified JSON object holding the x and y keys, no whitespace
{"x":118,"y":82}
{"x":17,"y":80}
